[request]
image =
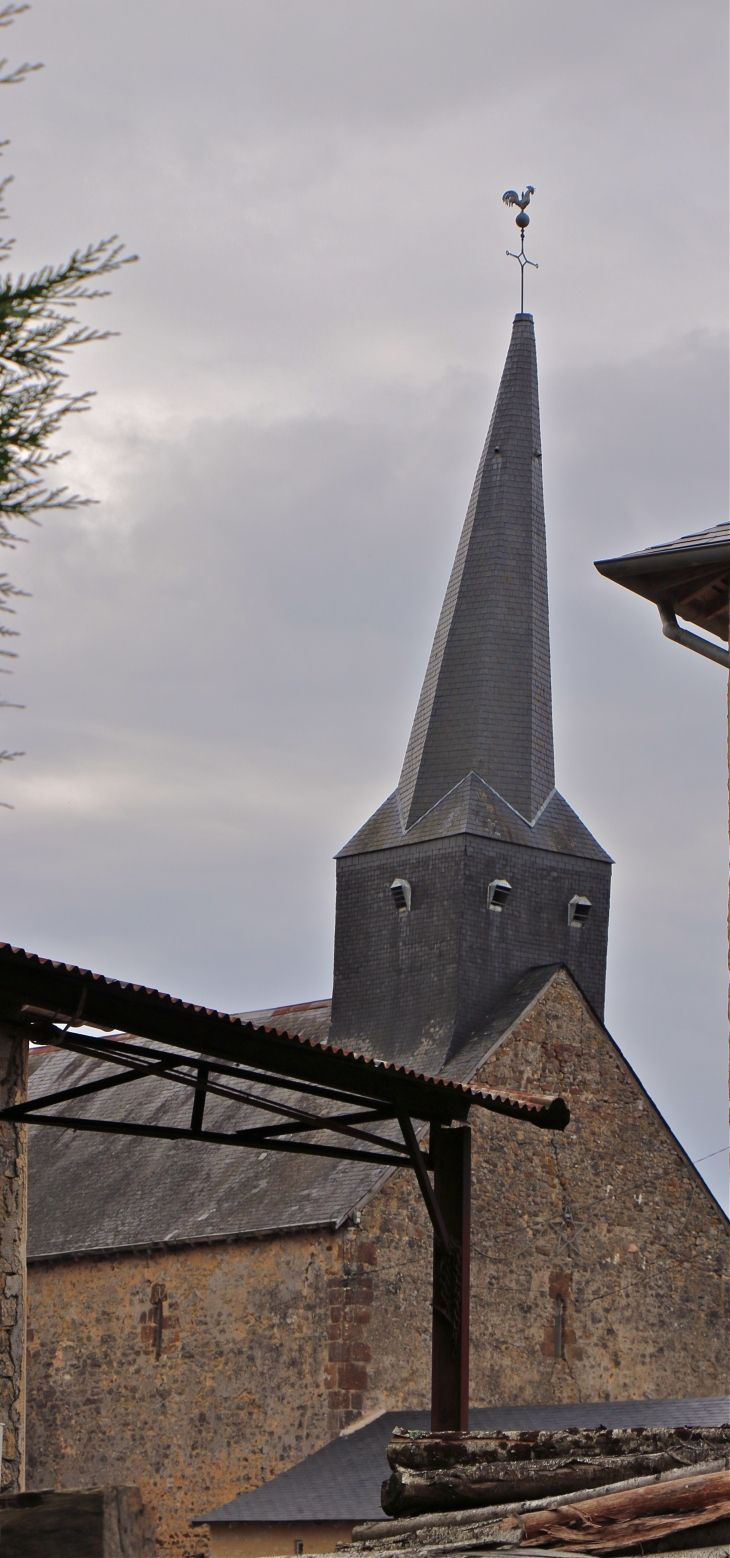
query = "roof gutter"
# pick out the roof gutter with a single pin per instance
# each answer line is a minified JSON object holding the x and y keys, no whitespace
{"x":701,"y":646}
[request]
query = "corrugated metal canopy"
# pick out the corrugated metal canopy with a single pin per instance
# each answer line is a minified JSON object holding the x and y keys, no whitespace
{"x":250,"y":1087}
{"x":39,"y":993}
{"x":92,"y":1193}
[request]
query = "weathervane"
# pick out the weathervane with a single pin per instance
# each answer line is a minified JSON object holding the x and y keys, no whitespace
{"x":511,"y":198}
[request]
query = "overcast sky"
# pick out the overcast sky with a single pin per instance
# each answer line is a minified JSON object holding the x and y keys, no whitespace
{"x":220,"y":663}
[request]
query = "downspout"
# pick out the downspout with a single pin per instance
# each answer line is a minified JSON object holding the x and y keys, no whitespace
{"x":701,"y":646}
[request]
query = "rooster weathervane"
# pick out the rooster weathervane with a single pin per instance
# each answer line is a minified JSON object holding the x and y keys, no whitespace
{"x":511,"y":198}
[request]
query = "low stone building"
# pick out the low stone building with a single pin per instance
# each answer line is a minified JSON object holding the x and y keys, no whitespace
{"x":315,"y":1505}
{"x":202,"y":1317}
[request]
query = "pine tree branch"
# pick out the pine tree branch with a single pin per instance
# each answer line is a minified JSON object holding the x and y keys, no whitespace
{"x":38,"y":329}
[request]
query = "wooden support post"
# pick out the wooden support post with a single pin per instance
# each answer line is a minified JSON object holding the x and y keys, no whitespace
{"x":450,"y":1149}
{"x":14,"y":1167}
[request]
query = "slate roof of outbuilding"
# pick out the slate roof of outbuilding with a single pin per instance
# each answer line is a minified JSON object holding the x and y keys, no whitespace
{"x":342,"y":1481}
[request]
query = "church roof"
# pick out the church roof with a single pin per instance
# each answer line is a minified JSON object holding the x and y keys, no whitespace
{"x":485,"y":706}
{"x":98,"y":1194}
{"x":342,"y":1481}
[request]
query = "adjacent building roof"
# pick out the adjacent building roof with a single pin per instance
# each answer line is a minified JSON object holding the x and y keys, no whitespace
{"x":342,"y":1481}
{"x":691,"y":575}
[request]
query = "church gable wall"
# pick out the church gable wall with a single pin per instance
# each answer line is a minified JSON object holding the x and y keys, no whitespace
{"x":608,"y":1216}
{"x":600,"y":1261}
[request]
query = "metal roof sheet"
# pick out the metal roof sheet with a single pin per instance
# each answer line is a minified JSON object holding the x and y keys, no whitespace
{"x":43,"y":991}
{"x":102,"y":1194}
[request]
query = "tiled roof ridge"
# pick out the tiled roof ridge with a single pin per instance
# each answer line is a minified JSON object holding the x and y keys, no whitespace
{"x":299,"y":1006}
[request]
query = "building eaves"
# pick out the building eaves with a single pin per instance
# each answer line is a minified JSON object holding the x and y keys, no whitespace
{"x":691,"y":575}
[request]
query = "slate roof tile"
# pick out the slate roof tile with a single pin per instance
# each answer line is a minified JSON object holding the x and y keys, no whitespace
{"x":342,"y":1481}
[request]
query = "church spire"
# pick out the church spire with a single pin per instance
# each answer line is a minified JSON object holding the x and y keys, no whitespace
{"x":475,"y":871}
{"x":485,"y":707}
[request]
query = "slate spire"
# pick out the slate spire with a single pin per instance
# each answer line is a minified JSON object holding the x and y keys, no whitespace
{"x":486,"y":706}
{"x":426,"y":949}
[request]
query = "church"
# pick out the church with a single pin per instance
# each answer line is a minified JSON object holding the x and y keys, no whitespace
{"x":202,"y":1318}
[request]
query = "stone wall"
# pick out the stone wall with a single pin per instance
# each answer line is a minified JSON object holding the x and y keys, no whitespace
{"x":263,"y":1351}
{"x":607,"y":1220}
{"x":611,"y":1216}
{"x":232,"y":1393}
{"x":14,"y":1170}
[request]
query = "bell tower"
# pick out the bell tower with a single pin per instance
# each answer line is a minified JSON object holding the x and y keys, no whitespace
{"x":475,"y":869}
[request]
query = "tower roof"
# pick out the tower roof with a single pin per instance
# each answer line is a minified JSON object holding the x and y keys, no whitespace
{"x":485,"y":707}
{"x":421,"y":959}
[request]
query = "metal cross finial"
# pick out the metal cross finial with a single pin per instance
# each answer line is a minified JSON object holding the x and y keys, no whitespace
{"x":511,"y":198}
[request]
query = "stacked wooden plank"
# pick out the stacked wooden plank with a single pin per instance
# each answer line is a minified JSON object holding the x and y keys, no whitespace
{"x":109,"y":1522}
{"x":592,"y":1490}
{"x":634,"y":1516}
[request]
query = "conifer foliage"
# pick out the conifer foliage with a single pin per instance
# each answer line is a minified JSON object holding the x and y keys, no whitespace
{"x":38,"y":328}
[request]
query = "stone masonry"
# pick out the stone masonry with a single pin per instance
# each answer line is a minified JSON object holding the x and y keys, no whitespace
{"x":268,"y":1348}
{"x":13,"y":1158}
